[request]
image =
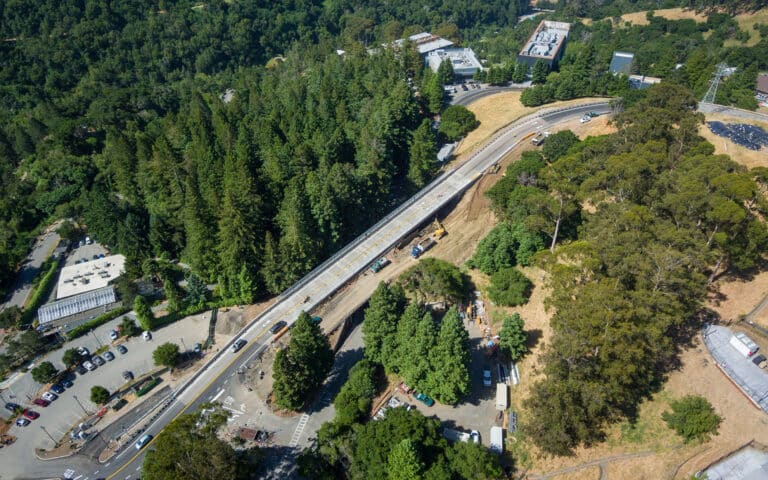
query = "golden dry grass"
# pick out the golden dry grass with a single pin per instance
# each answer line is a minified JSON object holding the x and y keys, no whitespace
{"x":746,"y":22}
{"x":744,"y":156}
{"x":497,"y":111}
{"x":639,"y":18}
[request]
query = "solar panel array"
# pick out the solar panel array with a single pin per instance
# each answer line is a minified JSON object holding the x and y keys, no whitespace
{"x":748,"y":136}
{"x":77,"y":304}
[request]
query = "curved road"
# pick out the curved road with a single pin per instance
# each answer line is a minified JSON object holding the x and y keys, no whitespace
{"x":319,"y":284}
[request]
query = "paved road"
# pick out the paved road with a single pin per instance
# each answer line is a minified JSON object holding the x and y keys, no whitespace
{"x":39,"y":254}
{"x":465,"y":98}
{"x":327,"y":278}
{"x":735,"y":112}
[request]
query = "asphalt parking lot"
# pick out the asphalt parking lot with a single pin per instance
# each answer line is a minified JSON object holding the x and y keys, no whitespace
{"x":65,"y":412}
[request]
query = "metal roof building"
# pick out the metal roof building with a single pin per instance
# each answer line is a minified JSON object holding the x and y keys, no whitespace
{"x":74,"y":305}
{"x":621,"y":63}
{"x":547,"y":43}
{"x":425,"y":42}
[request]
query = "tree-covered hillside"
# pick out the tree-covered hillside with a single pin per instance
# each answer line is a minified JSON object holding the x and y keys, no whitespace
{"x":113,"y":113}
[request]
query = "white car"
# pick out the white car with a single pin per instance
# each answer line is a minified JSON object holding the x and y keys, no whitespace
{"x":475,"y":436}
{"x":113,"y":335}
{"x":585,"y":119}
{"x":50,"y":396}
{"x":89,"y":366}
{"x":147,"y":335}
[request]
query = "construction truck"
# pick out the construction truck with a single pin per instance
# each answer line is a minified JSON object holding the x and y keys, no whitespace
{"x":439,"y":231}
{"x":422,"y":247}
{"x":539,"y":138}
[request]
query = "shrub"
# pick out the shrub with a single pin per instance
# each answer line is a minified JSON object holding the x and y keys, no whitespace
{"x":509,"y":287}
{"x":83,"y":329}
{"x":693,"y":418}
{"x":166,"y":355}
{"x":456,"y":121}
{"x":41,"y":290}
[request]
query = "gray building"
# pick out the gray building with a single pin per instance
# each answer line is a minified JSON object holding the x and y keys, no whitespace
{"x":547,"y":43}
{"x":77,"y":308}
{"x":464,"y":61}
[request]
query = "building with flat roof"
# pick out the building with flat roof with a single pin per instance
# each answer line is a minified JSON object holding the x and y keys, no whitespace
{"x":642,"y":82}
{"x":621,"y":63}
{"x":82,"y":305}
{"x":425,"y":42}
{"x":87,"y":276}
{"x":762,"y":85}
{"x":464,"y":61}
{"x":547,"y":43}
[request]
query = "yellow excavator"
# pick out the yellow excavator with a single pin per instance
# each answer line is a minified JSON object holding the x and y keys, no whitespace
{"x":439,"y":231}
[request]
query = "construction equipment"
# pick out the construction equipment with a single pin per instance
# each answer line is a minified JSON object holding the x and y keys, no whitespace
{"x":422,"y":247}
{"x":379,"y":264}
{"x":439,"y":231}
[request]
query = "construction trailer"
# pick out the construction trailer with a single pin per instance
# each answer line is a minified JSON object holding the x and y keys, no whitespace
{"x":502,"y":399}
{"x":497,"y":440}
{"x":743,"y":344}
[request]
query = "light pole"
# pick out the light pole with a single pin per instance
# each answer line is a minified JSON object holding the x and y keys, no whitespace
{"x":49,"y":435}
{"x":184,"y":344}
{"x":97,"y":338}
{"x":81,"y":405}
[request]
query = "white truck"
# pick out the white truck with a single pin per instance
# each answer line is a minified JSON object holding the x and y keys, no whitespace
{"x":501,"y":396}
{"x":455,"y":435}
{"x":497,"y":440}
{"x":743,"y":344}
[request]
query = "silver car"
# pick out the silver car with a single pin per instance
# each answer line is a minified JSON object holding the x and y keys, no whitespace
{"x":98,"y":360}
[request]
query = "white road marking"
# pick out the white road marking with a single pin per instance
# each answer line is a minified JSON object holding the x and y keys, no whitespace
{"x":138,"y":468}
{"x":77,"y":477}
{"x":216,"y":397}
{"x":107,"y":464}
{"x":299,"y":430}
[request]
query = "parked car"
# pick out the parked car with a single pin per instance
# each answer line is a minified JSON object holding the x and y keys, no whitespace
{"x":143,"y":441}
{"x":50,"y":396}
{"x":475,"y":436}
{"x":585,"y":119}
{"x":30,"y":414}
{"x":127,"y":375}
{"x":109,"y":356}
{"x":57,"y":389}
{"x":120,"y":404}
{"x":122,"y":349}
{"x":238,"y":345}
{"x":89,"y":366}
{"x":316,"y":319}
{"x":113,"y":335}
{"x":84,"y":352}
{"x":82,"y":369}
{"x":197,"y":348}
{"x":147,"y":335}
{"x":22,"y":422}
{"x":425,"y":399}
{"x":760,"y":361}
{"x":486,"y":376}
{"x":41,"y":403}
{"x":277,"y":327}
{"x":12,"y":407}
{"x":98,"y":360}
{"x":67,"y":383}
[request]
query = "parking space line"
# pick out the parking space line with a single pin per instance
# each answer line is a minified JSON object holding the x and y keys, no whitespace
{"x":216,"y":397}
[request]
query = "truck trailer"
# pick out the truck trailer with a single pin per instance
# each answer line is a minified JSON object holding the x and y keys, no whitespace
{"x":501,"y":396}
{"x":743,"y":344}
{"x":422,"y":247}
{"x":497,"y":440}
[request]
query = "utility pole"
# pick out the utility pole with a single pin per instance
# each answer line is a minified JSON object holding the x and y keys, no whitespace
{"x":81,"y":405}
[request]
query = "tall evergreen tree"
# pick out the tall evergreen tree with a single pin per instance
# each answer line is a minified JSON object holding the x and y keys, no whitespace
{"x":200,"y":235}
{"x":422,"y":155}
{"x":450,"y":358}
{"x":540,"y":70}
{"x":385,"y":307}
{"x":404,"y":462}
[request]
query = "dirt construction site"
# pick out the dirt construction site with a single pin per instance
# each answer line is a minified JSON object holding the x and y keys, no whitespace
{"x":645,"y":449}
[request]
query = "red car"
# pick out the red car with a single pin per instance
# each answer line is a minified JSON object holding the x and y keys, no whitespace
{"x":40,"y":402}
{"x":30,"y":414}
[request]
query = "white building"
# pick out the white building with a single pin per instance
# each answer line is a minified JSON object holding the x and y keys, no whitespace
{"x":464,"y":61}
{"x":425,"y":42}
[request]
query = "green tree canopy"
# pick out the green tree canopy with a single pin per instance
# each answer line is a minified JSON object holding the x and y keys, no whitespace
{"x":693,"y":418}
{"x":456,"y":121}
{"x":144,"y":313}
{"x":44,"y":373}
{"x":301,"y":368}
{"x":70,"y":357}
{"x":99,"y":395}
{"x":404,"y":462}
{"x":189,"y":447}
{"x":434,"y":279}
{"x":509,"y":287}
{"x":353,"y":402}
{"x":513,"y":340}
{"x":167,"y":355}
